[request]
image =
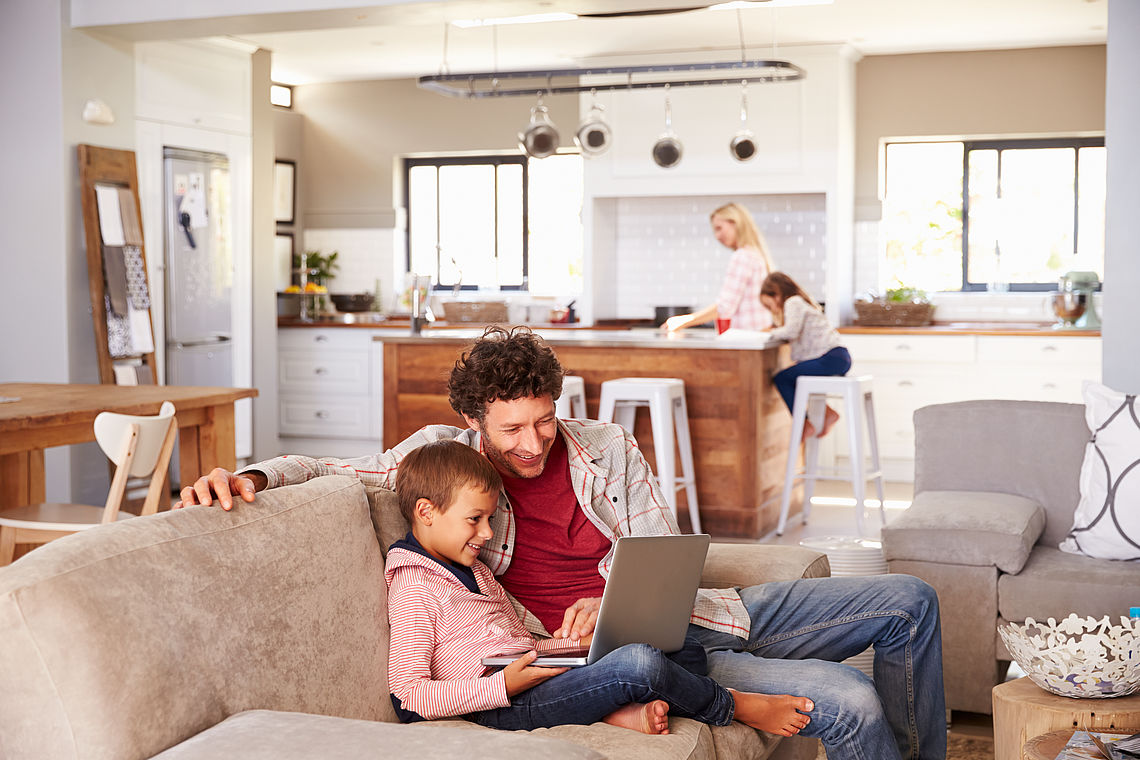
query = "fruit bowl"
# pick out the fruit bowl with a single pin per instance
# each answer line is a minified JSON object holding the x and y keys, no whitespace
{"x":1077,"y":657}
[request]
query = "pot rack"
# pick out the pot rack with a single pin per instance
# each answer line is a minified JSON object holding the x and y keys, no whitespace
{"x":495,"y":84}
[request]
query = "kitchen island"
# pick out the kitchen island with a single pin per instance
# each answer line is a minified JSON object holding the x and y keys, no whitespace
{"x":739,"y":425}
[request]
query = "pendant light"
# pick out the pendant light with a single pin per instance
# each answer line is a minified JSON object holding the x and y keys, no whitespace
{"x":667,"y":150}
{"x":743,"y":144}
{"x":593,"y":135}
{"x":540,"y":138}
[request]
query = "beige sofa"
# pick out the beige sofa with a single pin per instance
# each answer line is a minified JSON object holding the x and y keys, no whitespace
{"x":262,"y":633}
{"x":996,"y":485}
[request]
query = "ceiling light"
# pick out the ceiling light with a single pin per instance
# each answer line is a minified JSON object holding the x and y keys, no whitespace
{"x":534,"y":18}
{"x":745,"y":4}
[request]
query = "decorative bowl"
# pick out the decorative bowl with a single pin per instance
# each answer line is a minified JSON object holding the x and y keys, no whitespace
{"x":352,"y":302}
{"x":1078,"y":657}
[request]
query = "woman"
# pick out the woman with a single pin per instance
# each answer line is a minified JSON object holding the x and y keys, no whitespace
{"x":739,"y":299}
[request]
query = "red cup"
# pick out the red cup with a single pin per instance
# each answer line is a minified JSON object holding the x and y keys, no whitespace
{"x":722,"y":325}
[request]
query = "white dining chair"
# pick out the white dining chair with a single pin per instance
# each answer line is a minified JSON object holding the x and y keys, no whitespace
{"x":138,"y":446}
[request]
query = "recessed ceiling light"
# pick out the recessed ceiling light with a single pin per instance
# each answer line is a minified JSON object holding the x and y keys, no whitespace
{"x":534,"y":18}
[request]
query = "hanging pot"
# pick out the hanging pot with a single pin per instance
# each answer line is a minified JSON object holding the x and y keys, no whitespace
{"x":593,"y":136}
{"x":668,"y":149}
{"x":540,"y":138}
{"x":743,"y":144}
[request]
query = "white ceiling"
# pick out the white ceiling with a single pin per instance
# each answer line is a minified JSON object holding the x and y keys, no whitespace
{"x":407,"y":40}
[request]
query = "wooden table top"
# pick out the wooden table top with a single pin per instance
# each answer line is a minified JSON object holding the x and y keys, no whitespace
{"x":43,"y":404}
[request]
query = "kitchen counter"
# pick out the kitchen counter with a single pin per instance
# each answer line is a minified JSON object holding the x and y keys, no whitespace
{"x":737,"y":421}
{"x":973,"y":328}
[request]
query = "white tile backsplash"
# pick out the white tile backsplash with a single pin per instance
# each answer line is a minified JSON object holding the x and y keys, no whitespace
{"x":667,"y":255}
{"x":366,"y":255}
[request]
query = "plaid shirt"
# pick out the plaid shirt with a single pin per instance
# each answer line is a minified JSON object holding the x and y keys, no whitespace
{"x":612,"y":481}
{"x":739,"y":298}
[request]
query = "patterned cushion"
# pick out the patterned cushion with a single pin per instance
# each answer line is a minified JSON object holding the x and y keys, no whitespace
{"x":1107,"y":521}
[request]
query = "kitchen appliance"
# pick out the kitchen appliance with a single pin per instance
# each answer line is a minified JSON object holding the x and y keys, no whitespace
{"x":1073,"y":301}
{"x":662,"y":313}
{"x":199,"y":268}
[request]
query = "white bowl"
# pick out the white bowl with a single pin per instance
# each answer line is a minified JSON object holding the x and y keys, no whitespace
{"x":1078,"y":657}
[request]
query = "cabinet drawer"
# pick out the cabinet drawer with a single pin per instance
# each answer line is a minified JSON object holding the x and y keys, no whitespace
{"x":340,"y":418}
{"x":1060,"y":351}
{"x":911,"y":348}
{"x":323,"y":372}
{"x":318,"y":338}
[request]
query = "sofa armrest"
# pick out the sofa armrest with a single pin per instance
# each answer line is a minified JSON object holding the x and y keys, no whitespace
{"x":979,"y":528}
{"x":730,"y":565}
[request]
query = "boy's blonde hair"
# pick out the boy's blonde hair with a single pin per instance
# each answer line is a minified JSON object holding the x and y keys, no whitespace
{"x":747,"y":233}
{"x":437,"y":470}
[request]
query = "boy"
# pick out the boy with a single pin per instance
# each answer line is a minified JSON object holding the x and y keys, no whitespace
{"x":447,"y":612}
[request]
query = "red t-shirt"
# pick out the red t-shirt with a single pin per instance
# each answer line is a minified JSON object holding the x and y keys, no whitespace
{"x":557,"y":548}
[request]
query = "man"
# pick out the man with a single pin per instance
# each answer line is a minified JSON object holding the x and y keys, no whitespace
{"x":571,"y":487}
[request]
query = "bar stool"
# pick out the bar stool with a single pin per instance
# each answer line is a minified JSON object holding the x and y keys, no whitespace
{"x":665,"y":397}
{"x":573,"y":398}
{"x":810,"y":403}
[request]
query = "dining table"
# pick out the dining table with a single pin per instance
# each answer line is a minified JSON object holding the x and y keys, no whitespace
{"x":37,"y":416}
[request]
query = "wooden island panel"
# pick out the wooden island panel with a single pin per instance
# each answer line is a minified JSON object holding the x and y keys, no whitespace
{"x":738,"y":423}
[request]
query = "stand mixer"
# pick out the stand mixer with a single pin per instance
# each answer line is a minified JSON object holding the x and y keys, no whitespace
{"x":1073,"y":301}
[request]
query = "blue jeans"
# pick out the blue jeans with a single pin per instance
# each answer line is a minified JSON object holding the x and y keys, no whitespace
{"x":633,"y":673}
{"x":802,"y":629}
{"x":834,"y":363}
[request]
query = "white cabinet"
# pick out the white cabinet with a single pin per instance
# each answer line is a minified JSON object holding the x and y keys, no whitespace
{"x":330,"y":387}
{"x":913,"y":371}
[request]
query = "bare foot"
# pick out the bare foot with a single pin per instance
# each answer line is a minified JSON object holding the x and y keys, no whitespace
{"x":780,"y":714}
{"x":648,"y":718}
{"x":829,"y":420}
{"x":809,"y":430}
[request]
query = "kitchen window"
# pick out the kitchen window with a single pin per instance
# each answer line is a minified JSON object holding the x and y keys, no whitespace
{"x":496,"y":222}
{"x":993,"y":214}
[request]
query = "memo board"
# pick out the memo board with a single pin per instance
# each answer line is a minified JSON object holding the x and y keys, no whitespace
{"x":116,"y":266}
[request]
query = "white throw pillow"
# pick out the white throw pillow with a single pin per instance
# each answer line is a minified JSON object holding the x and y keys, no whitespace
{"x":1107,"y":521}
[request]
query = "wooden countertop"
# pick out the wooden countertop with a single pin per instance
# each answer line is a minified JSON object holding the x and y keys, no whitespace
{"x":974,"y":328}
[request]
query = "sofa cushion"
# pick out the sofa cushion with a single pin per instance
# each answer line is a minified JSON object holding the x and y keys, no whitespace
{"x":1054,"y":584}
{"x":390,"y":525}
{"x":268,"y":735}
{"x":126,"y":639}
{"x":966,"y":528}
{"x":1106,"y":524}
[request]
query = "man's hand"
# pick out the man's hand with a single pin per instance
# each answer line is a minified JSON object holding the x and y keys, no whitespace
{"x":578,"y":622}
{"x":520,"y":675}
{"x":222,"y":485}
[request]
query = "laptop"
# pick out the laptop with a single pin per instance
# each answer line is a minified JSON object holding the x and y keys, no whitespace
{"x":648,"y":599}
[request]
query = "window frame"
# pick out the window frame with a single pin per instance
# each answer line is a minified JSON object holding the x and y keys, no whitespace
{"x":482,"y":160}
{"x":1001,"y":144}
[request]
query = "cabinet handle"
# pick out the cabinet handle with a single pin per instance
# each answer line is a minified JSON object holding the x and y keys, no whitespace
{"x":321,"y":339}
{"x":1048,"y":347}
{"x":905,"y":384}
{"x":1050,"y":386}
{"x":321,"y":414}
{"x":902,"y":347}
{"x":320,"y":371}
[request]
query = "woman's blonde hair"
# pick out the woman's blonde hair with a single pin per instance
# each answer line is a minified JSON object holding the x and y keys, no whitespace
{"x":747,"y":233}
{"x":779,"y":286}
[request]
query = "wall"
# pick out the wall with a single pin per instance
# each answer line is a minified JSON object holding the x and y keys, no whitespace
{"x":41,"y":230}
{"x":263,"y":120}
{"x":1122,"y":138}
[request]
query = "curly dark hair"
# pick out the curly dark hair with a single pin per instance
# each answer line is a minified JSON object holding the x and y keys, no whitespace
{"x":503,"y":364}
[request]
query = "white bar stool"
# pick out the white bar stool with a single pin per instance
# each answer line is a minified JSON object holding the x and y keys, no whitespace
{"x":665,"y":397}
{"x":572,"y":402}
{"x":859,"y":410}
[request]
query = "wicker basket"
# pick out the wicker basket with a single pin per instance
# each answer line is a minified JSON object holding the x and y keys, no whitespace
{"x":886,"y":314}
{"x":485,"y":312}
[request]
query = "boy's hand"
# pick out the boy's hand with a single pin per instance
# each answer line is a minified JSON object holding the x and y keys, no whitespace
{"x":578,"y":622}
{"x":520,"y":675}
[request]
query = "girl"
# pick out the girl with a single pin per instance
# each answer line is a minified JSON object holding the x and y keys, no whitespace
{"x":739,"y":296}
{"x":816,"y":348}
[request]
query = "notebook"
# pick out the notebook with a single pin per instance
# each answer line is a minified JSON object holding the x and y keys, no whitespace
{"x":648,"y":599}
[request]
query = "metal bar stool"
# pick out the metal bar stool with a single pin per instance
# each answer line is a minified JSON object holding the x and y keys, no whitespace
{"x":859,"y":410}
{"x":665,"y":397}
{"x":572,"y":402}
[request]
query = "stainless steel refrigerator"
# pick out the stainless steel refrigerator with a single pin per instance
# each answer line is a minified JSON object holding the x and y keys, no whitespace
{"x":199,"y":268}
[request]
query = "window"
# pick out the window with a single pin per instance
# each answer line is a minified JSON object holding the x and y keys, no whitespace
{"x":996,"y":214}
{"x":281,"y":95}
{"x":496,"y":222}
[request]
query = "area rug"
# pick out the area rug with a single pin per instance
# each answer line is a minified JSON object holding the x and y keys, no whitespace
{"x":958,"y":748}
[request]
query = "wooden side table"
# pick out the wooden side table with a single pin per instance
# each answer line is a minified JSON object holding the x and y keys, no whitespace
{"x":1023,"y":710}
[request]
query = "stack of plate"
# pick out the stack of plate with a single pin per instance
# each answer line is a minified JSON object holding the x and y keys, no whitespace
{"x":852,"y":555}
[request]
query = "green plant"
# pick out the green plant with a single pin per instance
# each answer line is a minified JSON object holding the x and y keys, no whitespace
{"x":906,"y":295}
{"x":321,"y":268}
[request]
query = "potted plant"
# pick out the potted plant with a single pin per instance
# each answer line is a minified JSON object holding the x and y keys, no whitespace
{"x":897,"y":307}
